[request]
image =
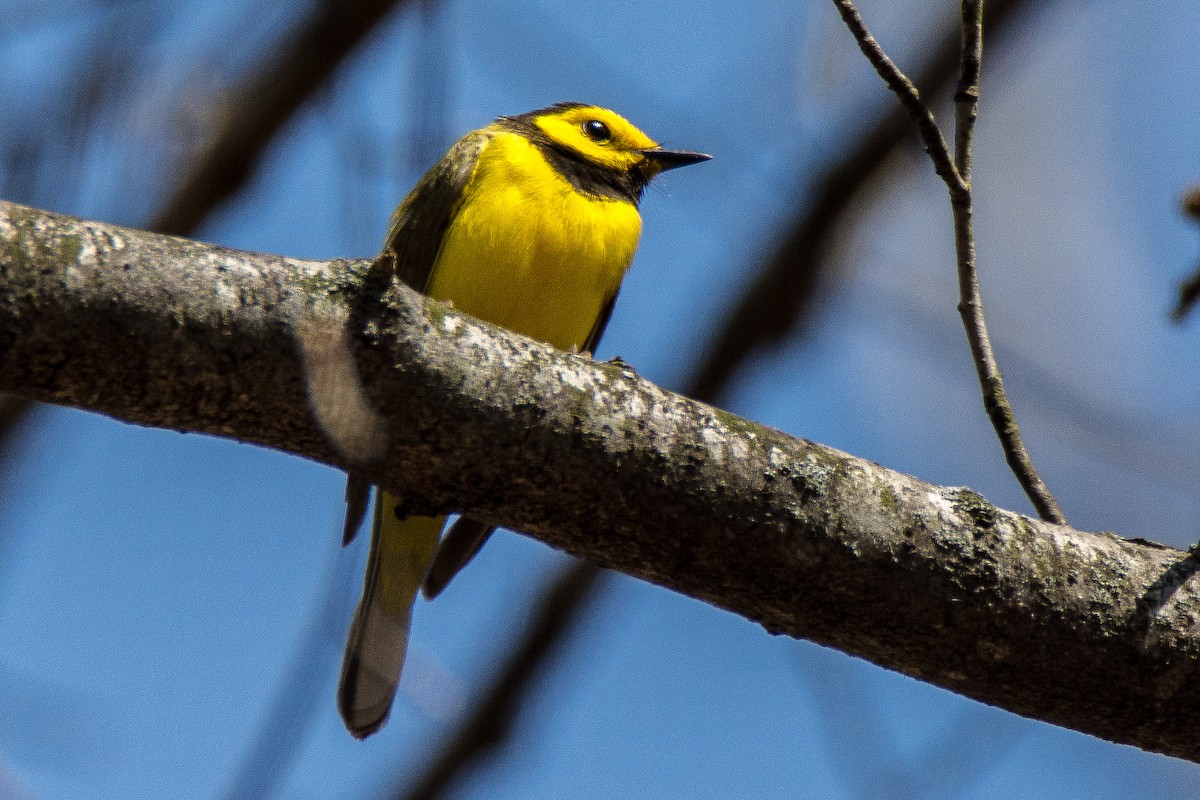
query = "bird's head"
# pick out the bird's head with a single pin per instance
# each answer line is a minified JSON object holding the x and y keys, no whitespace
{"x":604,"y":139}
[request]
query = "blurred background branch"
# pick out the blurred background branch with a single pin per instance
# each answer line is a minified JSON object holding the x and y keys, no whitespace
{"x":484,"y":730}
{"x":246,"y":121}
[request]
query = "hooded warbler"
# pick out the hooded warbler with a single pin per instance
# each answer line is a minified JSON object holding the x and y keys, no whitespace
{"x":529,"y":223}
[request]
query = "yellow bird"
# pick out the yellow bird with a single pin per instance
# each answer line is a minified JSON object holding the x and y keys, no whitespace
{"x":530,"y":224}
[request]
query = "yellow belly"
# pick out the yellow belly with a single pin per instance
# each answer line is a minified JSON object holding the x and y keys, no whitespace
{"x":527,"y":252}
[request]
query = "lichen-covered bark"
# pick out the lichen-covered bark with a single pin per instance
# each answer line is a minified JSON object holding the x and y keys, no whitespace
{"x":333,"y":362}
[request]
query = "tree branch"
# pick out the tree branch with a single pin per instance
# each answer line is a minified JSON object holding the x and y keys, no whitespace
{"x":1084,"y":630}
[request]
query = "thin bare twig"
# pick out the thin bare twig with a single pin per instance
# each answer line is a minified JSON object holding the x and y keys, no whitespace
{"x":966,"y":97}
{"x":776,"y":303}
{"x":970,"y":307}
{"x":955,"y":172}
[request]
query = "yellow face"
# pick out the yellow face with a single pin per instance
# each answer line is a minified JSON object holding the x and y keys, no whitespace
{"x":599,"y":135}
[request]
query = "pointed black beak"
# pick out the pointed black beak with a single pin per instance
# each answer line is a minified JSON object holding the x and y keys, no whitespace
{"x":670,"y":159}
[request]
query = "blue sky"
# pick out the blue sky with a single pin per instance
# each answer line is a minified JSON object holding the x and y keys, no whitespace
{"x":154,"y":587}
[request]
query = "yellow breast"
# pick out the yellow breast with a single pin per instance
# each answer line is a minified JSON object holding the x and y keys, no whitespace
{"x":528,"y":252}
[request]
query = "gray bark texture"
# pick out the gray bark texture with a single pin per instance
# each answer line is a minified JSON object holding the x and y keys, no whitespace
{"x":335,"y":362}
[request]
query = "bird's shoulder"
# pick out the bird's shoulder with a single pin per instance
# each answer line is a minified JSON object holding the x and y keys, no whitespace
{"x":419,"y":223}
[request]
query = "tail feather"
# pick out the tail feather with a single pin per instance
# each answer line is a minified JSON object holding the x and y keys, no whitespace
{"x":401,"y":551}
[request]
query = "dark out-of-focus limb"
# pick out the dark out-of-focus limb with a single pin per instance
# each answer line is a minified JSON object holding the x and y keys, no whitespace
{"x":255,"y":112}
{"x":14,"y":415}
{"x":485,"y":728}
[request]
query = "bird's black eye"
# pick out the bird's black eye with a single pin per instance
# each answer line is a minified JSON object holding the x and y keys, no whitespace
{"x":597,"y":131}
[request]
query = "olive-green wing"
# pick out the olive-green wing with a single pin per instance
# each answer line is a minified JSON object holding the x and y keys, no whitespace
{"x":419,"y":223}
